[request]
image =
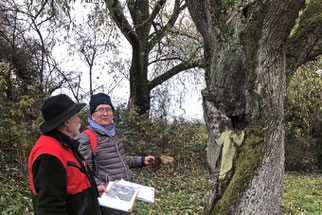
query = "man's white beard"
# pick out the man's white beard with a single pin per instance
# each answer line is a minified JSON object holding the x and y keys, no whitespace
{"x":73,"y":132}
{"x":79,"y":126}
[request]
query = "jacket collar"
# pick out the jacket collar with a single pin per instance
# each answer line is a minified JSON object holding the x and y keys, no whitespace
{"x":110,"y":132}
{"x":63,"y":139}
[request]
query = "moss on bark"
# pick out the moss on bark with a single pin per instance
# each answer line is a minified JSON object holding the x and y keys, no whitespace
{"x":222,"y":11}
{"x":250,"y":40}
{"x":309,"y":21}
{"x":250,"y":155}
{"x":247,"y":162}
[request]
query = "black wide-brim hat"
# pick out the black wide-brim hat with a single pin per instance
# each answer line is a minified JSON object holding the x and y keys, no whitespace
{"x":56,"y":110}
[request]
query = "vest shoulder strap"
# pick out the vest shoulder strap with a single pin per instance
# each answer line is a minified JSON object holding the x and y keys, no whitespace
{"x":92,"y":138}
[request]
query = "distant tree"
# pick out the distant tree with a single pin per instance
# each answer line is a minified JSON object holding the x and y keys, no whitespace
{"x":150,"y":27}
{"x":162,"y":36}
{"x":27,"y":72}
{"x":252,"y":49}
{"x":15,"y":49}
{"x":29,"y":26}
{"x":93,"y":37}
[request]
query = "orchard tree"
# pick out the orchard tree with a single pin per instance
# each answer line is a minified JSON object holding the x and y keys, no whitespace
{"x":252,"y":49}
{"x":148,"y":25}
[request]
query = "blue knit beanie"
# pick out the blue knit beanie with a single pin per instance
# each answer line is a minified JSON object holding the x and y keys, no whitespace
{"x":97,"y":99}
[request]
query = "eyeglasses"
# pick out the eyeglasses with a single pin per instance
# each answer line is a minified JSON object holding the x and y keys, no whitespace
{"x":103,"y":110}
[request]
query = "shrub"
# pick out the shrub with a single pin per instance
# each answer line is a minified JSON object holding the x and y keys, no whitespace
{"x":14,"y":189}
{"x":303,"y":144}
{"x":185,"y":141}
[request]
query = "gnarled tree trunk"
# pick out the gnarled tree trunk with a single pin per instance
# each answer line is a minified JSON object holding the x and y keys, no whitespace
{"x":246,"y":51}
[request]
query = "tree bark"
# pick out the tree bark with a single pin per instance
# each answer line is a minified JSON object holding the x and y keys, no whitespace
{"x":245,"y":50}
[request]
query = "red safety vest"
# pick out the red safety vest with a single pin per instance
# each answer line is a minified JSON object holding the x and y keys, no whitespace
{"x":76,"y":180}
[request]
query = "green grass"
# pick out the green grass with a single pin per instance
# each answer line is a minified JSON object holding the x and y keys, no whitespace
{"x":181,"y":189}
{"x":302,"y":193}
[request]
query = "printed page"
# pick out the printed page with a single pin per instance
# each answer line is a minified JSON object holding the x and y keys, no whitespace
{"x":119,"y":196}
{"x":145,"y":193}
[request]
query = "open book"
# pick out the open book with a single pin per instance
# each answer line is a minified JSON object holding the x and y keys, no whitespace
{"x":121,"y":195}
{"x":145,"y":193}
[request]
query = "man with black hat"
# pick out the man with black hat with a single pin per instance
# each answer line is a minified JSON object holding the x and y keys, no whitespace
{"x":108,"y":159}
{"x":58,"y":174}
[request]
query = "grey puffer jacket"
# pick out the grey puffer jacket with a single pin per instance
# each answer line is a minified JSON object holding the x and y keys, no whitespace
{"x":112,"y":162}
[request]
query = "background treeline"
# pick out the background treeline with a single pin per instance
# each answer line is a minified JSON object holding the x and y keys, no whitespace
{"x":303,"y":114}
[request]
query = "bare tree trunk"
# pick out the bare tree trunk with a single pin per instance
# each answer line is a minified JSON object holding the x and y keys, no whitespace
{"x":139,"y":90}
{"x":245,"y":49}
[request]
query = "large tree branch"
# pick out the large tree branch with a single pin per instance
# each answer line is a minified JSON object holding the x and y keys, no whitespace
{"x":118,"y":17}
{"x":160,"y":34}
{"x":201,"y":14}
{"x":193,"y":55}
{"x":279,"y":21}
{"x":172,"y":72}
{"x":156,"y":10}
{"x":139,"y":11}
{"x":305,"y":43}
{"x":132,"y":6}
{"x":316,"y":50}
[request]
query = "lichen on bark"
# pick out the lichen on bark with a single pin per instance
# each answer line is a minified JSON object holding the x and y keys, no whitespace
{"x":248,"y":161}
{"x":230,"y":141}
{"x":225,"y":148}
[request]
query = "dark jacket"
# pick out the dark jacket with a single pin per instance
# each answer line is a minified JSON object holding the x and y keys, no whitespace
{"x":58,"y":177}
{"x":112,"y":162}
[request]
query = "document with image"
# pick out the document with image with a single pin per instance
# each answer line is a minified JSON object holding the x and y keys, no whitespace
{"x":119,"y":196}
{"x":145,"y":193}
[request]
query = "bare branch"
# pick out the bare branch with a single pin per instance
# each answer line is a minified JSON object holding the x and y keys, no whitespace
{"x":117,"y":15}
{"x":305,"y":43}
{"x":172,"y":72}
{"x":160,"y":34}
{"x":156,"y":10}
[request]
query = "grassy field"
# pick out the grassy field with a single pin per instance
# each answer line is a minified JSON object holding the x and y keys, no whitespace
{"x":182,"y":191}
{"x":302,"y":193}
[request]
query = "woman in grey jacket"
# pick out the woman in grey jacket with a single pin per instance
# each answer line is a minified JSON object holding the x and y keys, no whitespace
{"x":110,"y":160}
